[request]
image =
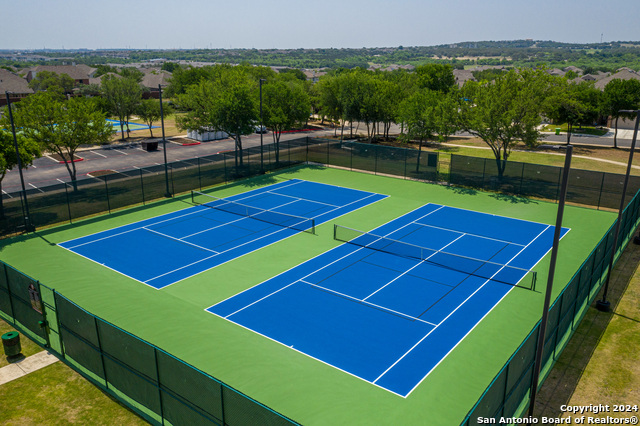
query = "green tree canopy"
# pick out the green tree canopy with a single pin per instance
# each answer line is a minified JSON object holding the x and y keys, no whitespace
{"x":620,"y":95}
{"x":228,"y":104}
{"x":286,"y":104}
{"x":62,"y":126}
{"x":505,"y":111}
{"x":48,"y":80}
{"x":572,"y":103}
{"x":149,"y":111}
{"x":123,"y":95}
{"x":437,"y":77}
{"x":27,"y":148}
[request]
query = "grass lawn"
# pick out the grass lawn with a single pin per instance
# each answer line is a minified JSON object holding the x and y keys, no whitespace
{"x":583,"y":130}
{"x":600,"y":364}
{"x":28,"y":347}
{"x":57,"y":395}
{"x":584,"y":157}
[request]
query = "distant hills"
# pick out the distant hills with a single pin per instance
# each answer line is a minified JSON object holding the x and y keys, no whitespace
{"x":592,"y":57}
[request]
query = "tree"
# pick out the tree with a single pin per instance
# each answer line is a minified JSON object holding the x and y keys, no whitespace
{"x":427,"y":113}
{"x":170,"y":66}
{"x":228,"y":104}
{"x":572,"y":103}
{"x":285,"y":104}
{"x":505,"y":111}
{"x":27,"y":148}
{"x":149,"y":111}
{"x":61,"y":126}
{"x":620,"y":95}
{"x":123,"y":96}
{"x":48,"y":80}
{"x":437,"y":77}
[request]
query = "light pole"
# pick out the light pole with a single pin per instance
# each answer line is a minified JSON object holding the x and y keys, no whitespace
{"x":261,"y":130}
{"x":604,"y":305}
{"x":28,"y":226}
{"x":552,"y":268}
{"x":167,"y":193}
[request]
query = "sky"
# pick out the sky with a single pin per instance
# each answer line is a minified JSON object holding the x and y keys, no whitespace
{"x":287,"y":24}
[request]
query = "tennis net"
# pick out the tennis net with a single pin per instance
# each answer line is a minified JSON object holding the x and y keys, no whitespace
{"x":276,"y":218}
{"x":502,"y":273}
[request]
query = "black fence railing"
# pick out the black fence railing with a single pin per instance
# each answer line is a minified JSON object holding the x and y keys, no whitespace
{"x":158,"y":386}
{"x":154,"y":383}
{"x":586,"y":187}
{"x":66,"y":202}
{"x":508,"y":394}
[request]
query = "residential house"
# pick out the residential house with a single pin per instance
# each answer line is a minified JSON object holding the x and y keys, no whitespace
{"x":81,"y":74}
{"x":13,"y":83}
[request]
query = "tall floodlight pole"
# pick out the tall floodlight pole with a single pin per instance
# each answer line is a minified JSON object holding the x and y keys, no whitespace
{"x":167,"y":193}
{"x":261,"y":130}
{"x":604,"y":305}
{"x":552,"y":268}
{"x":28,"y":226}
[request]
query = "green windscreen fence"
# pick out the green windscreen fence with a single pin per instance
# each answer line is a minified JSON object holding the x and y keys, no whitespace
{"x":158,"y":386}
{"x":509,"y":392}
{"x":586,"y":187}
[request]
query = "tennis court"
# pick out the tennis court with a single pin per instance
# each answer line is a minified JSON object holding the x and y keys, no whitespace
{"x":389,"y":305}
{"x":132,"y":126}
{"x":172,"y":247}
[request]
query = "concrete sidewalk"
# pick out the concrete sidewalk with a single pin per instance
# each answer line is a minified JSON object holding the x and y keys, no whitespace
{"x":25,"y":366}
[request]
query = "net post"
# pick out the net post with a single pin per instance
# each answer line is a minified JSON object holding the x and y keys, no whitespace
{"x":335,"y":230}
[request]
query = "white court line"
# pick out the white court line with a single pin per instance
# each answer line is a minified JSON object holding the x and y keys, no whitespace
{"x":180,"y":240}
{"x":452,"y":312}
{"x":132,"y":229}
{"x":414,"y":266}
{"x":318,"y":269}
{"x":301,"y":199}
{"x":466,"y":233}
{"x":232,"y":248}
{"x":260,"y":248}
{"x":243,"y":217}
{"x":382,"y":308}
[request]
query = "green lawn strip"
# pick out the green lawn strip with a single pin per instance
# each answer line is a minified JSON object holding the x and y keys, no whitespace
{"x":585,"y":130}
{"x":28,"y":346}
{"x":58,"y":395}
{"x":296,"y":385}
{"x":533,"y":157}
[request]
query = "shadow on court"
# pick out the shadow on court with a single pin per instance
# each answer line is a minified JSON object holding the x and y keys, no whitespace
{"x":567,"y":378}
{"x":513,"y":199}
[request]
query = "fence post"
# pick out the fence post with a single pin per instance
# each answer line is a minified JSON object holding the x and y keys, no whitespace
{"x":142,"y":187}
{"x":601,"y":188}
{"x":155,"y":356}
{"x":375,"y":161}
{"x":104,"y":369}
{"x":6,"y":278}
{"x":222,"y":403}
{"x":199,"y":175}
{"x":55,"y":306}
{"x":66,"y":191}
{"x":106,"y":190}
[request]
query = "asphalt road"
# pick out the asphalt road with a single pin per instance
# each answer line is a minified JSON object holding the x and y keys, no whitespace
{"x":47,"y":171}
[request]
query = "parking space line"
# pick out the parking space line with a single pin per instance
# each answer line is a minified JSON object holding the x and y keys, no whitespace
{"x":36,"y":187}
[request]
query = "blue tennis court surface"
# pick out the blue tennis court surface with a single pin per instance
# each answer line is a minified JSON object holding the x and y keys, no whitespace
{"x":175,"y":246}
{"x":387,"y":318}
{"x":132,"y":126}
